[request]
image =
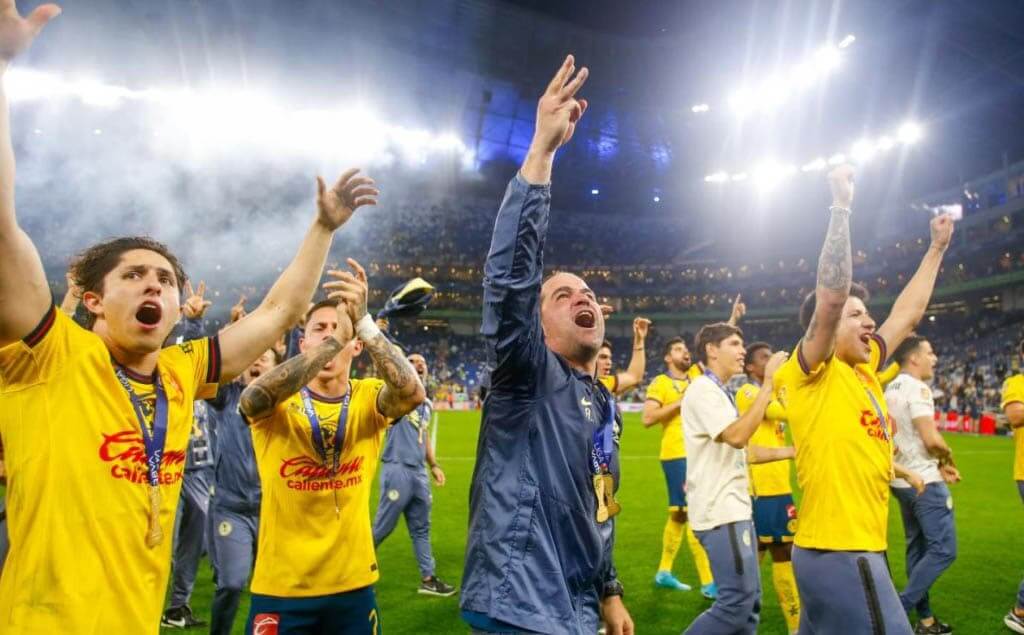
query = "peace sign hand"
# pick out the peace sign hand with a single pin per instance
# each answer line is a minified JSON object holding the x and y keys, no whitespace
{"x":194,"y":305}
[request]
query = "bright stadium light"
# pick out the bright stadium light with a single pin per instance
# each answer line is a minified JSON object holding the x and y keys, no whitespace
{"x":837,"y":159}
{"x":657,"y":199}
{"x":717,"y":177}
{"x":847,"y":41}
{"x":827,"y":59}
{"x":700,"y":108}
{"x":862,"y":151}
{"x":815,"y":165}
{"x":595,"y":192}
{"x":741,"y":102}
{"x":885,"y":144}
{"x":910,"y":133}
{"x":740,"y":176}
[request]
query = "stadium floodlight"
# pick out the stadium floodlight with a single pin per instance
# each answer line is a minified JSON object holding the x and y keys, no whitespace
{"x":862,"y":151}
{"x":847,"y":41}
{"x":740,"y":176}
{"x":885,"y":144}
{"x":827,"y":59}
{"x":741,"y":102}
{"x":595,"y":191}
{"x":770,"y":173}
{"x":815,"y":165}
{"x":700,"y":108}
{"x":657,"y":199}
{"x":717,"y":177}
{"x":910,"y":133}
{"x":23,"y":84}
{"x":837,"y":159}
{"x":92,"y":92}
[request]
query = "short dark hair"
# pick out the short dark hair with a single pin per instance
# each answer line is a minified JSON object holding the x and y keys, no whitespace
{"x":91,"y":266}
{"x":857,"y":290}
{"x":672,"y":342}
{"x":607,"y":344}
{"x":748,"y":359}
{"x":329,"y":302}
{"x":907,"y":348}
{"x":713,"y":334}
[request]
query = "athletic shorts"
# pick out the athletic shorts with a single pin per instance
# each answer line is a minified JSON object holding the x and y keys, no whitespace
{"x":775,"y":519}
{"x":350,"y":613}
{"x":675,"y":480}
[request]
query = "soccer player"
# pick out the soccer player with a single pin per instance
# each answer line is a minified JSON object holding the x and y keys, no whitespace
{"x":235,"y":505}
{"x":718,"y":486}
{"x":1013,"y":407}
{"x":836,"y":412}
{"x":661,"y":406}
{"x":927,"y":516}
{"x":775,"y":515}
{"x":621,"y":383}
{"x":539,"y":549}
{"x":91,"y":505}
{"x":317,"y":435}
{"x":405,"y":488}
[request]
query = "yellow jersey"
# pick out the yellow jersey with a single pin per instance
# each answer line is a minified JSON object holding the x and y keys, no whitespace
{"x":611,"y":382}
{"x":766,"y":479}
{"x":665,"y":389}
{"x":844,"y":449}
{"x":77,"y":487}
{"x":891,"y":372}
{"x":308,"y":546}
{"x":1013,"y":391}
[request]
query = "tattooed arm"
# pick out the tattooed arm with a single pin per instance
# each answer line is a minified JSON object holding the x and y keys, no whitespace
{"x":261,"y":396}
{"x":402,"y":390}
{"x":909,"y":307}
{"x":835,"y":273}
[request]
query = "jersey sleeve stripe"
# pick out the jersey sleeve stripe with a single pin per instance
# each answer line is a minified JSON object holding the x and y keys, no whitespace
{"x":213,"y":361}
{"x":883,"y":350}
{"x":39,"y":332}
{"x":800,"y":358}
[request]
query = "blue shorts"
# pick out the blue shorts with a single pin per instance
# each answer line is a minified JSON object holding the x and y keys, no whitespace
{"x":675,"y":480}
{"x":349,"y":613}
{"x":775,"y":519}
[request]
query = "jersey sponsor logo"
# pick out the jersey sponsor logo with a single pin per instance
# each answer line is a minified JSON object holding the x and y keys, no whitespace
{"x":873,"y":426}
{"x":127,"y":453}
{"x":265,"y":623}
{"x":306,"y":474}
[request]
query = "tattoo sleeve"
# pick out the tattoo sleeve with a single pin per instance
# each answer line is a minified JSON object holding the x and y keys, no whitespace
{"x":260,"y":397}
{"x":835,"y":265}
{"x":402,"y":386}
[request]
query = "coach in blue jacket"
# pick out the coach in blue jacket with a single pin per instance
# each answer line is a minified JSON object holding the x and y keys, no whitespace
{"x":539,"y":550}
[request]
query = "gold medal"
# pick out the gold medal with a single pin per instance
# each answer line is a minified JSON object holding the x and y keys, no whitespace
{"x":155,"y":535}
{"x":599,"y":493}
{"x":609,"y":491}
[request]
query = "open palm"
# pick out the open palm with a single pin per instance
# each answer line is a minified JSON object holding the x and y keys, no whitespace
{"x":16,"y":32}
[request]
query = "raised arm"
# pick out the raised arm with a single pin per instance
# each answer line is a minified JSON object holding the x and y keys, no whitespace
{"x":261,"y":396}
{"x":909,"y":307}
{"x":24,"y":291}
{"x":632,"y":376}
{"x":835,"y":273}
{"x":739,"y":309}
{"x":514,"y":266}
{"x":402,"y":390}
{"x":249,"y":337}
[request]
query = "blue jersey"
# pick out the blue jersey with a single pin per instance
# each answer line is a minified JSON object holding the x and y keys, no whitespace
{"x":236,"y":479}
{"x":407,"y":439}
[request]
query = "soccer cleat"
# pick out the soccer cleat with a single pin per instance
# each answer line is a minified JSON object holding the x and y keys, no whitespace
{"x":1014,"y":622}
{"x":666,"y":580}
{"x":180,"y":617}
{"x":710,"y":591}
{"x":937,"y":628}
{"x":434,"y":586}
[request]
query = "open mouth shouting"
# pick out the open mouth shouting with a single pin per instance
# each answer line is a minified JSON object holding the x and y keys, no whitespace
{"x":149,"y":314}
{"x":585,"y":318}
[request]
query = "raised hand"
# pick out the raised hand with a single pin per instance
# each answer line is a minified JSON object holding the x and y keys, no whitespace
{"x":194,"y":305}
{"x":942,"y":231}
{"x":351,"y":288}
{"x":558,"y":110}
{"x":238,"y":311}
{"x":16,"y":32}
{"x":607,"y":310}
{"x":840,"y":181}
{"x":345,"y":331}
{"x":775,"y":362}
{"x":738,"y":310}
{"x":335,"y":205}
{"x":640,"y":328}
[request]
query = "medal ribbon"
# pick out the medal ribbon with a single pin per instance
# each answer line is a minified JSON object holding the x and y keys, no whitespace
{"x":883,"y":421}
{"x":718,"y":382}
{"x":601,"y":454}
{"x":318,"y":437}
{"x":153,"y":441}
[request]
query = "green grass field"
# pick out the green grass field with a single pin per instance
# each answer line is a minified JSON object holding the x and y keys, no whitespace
{"x":972,"y":596}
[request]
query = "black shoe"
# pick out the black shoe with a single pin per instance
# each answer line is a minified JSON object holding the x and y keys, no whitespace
{"x":434,"y":586}
{"x":180,"y":617}
{"x":937,"y":628}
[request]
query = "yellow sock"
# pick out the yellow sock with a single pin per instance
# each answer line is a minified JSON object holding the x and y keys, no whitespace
{"x":700,"y":558}
{"x":671,"y":538}
{"x":789,"y":598}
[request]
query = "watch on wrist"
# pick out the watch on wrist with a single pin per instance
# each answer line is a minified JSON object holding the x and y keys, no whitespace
{"x":611,"y":588}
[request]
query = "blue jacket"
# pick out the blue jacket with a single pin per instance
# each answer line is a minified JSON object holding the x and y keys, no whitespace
{"x":236,"y":479}
{"x":536,"y":557}
{"x":408,"y":437}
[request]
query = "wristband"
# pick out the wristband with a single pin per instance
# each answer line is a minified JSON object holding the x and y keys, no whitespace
{"x":366,"y":328}
{"x":612,"y":588}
